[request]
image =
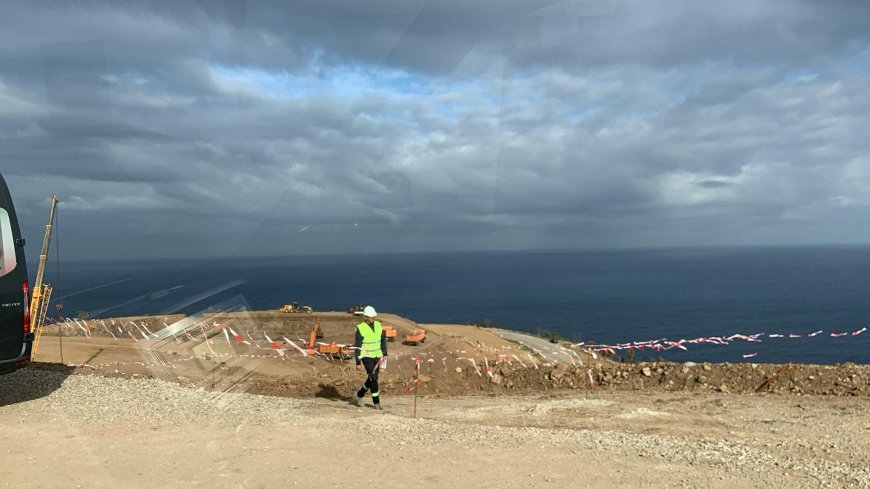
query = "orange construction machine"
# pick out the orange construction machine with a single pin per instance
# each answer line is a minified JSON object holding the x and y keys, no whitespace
{"x":417,"y":337}
{"x":335,"y":350}
{"x":390,"y":332}
{"x":332,"y":349}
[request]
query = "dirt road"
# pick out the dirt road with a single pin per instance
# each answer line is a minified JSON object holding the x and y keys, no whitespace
{"x":62,"y":430}
{"x":550,"y":352}
{"x":146,"y":412}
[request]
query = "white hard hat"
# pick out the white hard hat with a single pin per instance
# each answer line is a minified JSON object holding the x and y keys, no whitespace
{"x":369,"y":312}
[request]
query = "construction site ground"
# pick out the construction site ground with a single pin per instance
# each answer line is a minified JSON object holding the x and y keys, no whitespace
{"x":491,"y":413}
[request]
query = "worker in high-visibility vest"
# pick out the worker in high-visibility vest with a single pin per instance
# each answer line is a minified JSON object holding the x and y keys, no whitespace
{"x":371,"y":349}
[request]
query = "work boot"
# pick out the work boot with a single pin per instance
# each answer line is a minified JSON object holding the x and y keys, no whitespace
{"x":378,"y":407}
{"x":357,"y":401}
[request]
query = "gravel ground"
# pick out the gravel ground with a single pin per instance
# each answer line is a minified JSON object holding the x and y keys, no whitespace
{"x":90,"y":400}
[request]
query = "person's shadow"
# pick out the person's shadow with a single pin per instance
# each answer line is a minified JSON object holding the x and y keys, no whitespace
{"x":330,"y":392}
{"x":32,"y":382}
{"x":325,"y":391}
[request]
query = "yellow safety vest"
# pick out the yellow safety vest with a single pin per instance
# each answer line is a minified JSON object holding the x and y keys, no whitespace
{"x":371,"y":339}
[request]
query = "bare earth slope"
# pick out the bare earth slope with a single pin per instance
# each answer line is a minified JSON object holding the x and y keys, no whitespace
{"x":137,"y":412}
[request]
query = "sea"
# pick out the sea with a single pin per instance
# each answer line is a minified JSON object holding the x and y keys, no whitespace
{"x":604,"y":297}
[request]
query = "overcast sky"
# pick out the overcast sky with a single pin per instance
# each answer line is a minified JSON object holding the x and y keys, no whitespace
{"x":263,"y":128}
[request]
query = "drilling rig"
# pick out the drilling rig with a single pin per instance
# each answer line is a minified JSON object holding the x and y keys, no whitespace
{"x":42,"y":292}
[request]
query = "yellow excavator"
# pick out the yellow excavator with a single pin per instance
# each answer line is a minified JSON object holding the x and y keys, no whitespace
{"x":296,"y":307}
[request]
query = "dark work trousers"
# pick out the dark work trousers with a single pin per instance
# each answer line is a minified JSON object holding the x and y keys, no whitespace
{"x":372,"y":368}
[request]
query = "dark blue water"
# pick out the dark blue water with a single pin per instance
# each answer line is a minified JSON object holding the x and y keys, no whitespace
{"x":606,"y":297}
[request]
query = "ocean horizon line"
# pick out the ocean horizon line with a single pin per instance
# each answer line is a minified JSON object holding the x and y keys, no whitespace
{"x":490,"y":252}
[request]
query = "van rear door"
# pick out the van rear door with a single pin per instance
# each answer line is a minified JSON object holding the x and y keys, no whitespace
{"x":13,"y":280}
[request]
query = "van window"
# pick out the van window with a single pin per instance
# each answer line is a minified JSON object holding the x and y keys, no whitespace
{"x":7,"y":245}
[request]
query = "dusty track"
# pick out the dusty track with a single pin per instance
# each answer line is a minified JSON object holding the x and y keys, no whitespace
{"x":98,"y":432}
{"x":145,"y":413}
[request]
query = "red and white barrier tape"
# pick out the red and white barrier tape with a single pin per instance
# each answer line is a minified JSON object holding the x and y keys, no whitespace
{"x":274,"y":345}
{"x":664,"y":344}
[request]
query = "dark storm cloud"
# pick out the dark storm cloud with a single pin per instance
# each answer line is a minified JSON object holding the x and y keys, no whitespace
{"x":264,"y":127}
{"x":437,"y":36}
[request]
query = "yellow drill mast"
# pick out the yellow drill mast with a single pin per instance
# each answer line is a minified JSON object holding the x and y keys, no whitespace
{"x":42,"y":293}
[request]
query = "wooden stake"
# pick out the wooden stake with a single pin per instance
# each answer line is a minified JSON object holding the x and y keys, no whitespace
{"x":60,"y":329}
{"x":767,"y":382}
{"x":416,"y":388}
{"x":416,"y":383}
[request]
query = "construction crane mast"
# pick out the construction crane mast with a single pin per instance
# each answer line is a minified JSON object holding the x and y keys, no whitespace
{"x":42,"y":293}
